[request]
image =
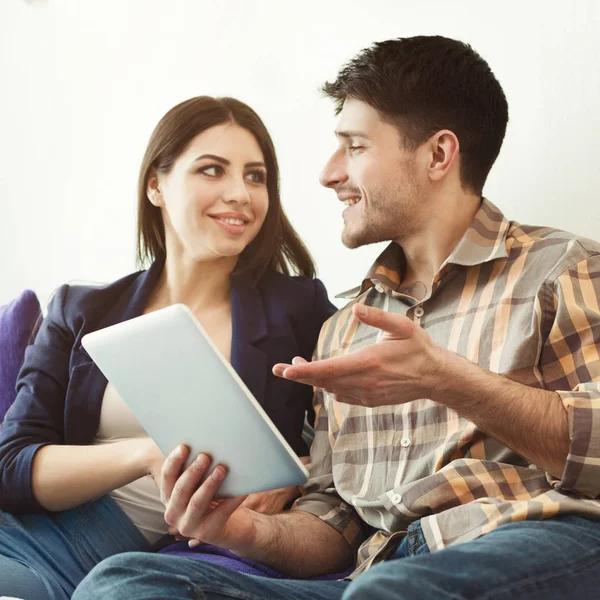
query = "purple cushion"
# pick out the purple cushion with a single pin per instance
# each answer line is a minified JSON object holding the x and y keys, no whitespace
{"x":227,"y":559}
{"x":17,"y":322}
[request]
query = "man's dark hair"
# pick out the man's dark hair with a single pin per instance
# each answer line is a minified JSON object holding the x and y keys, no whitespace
{"x":427,"y":83}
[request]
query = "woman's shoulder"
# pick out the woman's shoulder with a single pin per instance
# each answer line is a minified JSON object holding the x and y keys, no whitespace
{"x":300,"y":295}
{"x":275,"y":283}
{"x":75,"y":299}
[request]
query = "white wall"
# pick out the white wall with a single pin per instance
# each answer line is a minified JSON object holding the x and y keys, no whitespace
{"x":83,"y":84}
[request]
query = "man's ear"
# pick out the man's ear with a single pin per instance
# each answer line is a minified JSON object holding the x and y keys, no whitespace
{"x":153,"y":189}
{"x":444,"y":151}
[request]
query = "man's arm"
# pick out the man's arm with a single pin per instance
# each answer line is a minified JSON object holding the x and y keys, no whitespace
{"x":296,"y":543}
{"x":532,"y":422}
{"x":299,"y":544}
{"x":407,"y":364}
{"x":558,"y":430}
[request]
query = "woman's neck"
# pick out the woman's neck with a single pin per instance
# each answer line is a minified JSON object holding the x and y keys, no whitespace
{"x":200,"y":285}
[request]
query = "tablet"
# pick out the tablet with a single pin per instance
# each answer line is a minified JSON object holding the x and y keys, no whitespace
{"x":184,"y":391}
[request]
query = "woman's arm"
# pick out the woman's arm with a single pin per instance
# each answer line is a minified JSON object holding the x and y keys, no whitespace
{"x":37,"y":471}
{"x":66,"y":476}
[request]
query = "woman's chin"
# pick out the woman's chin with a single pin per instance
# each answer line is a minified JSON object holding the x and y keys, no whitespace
{"x":221,"y":252}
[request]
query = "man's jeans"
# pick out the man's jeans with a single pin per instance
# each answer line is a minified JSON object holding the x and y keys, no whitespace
{"x":45,"y":556}
{"x":556,"y":559}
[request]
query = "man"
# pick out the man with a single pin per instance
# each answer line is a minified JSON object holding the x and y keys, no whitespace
{"x":457,"y":446}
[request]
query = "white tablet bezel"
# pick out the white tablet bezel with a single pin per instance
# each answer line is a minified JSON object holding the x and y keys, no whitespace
{"x":129,"y":356}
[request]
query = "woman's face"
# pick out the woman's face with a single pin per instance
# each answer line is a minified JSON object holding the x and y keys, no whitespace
{"x":214,"y":200}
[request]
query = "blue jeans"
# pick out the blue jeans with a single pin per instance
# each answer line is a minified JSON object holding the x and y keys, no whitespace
{"x":556,"y":559}
{"x":45,"y":556}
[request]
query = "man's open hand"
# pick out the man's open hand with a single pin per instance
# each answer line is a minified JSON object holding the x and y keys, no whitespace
{"x":404,"y":365}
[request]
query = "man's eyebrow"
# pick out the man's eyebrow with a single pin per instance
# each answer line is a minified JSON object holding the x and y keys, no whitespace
{"x":351,"y":133}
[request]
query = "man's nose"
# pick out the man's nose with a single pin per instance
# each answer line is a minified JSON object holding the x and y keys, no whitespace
{"x":333,"y":173}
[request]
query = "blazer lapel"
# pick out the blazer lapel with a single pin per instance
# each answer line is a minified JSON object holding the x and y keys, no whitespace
{"x":249,"y":328}
{"x":88,"y":382}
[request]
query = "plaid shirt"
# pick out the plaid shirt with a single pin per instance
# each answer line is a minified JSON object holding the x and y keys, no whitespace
{"x":517,"y":300}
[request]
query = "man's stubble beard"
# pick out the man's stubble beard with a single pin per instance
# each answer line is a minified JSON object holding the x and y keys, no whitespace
{"x":387,"y":220}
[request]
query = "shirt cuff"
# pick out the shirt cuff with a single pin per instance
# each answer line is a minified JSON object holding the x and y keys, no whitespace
{"x":337,"y":514}
{"x":582,"y":469}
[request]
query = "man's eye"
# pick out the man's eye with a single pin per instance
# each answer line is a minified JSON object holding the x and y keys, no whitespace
{"x":354,"y":148}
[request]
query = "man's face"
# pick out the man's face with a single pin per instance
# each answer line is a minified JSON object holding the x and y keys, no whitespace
{"x":374,"y":176}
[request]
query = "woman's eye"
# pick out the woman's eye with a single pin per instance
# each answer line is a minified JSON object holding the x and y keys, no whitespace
{"x":211,"y":170}
{"x":257,"y":176}
{"x":354,"y":148}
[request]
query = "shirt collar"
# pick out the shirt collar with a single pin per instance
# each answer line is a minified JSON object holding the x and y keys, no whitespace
{"x":483,"y":241}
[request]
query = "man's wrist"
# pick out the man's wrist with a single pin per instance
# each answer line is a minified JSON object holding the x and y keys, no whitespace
{"x":258,"y":538}
{"x":450,"y":380}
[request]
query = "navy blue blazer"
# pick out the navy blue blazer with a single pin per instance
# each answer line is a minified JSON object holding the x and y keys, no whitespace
{"x":60,"y":388}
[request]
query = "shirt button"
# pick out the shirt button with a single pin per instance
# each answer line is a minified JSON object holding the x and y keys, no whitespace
{"x":379,"y":288}
{"x":405,"y":442}
{"x":396,"y":498}
{"x":419,"y":311}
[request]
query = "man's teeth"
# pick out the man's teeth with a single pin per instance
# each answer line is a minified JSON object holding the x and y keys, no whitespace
{"x":233,"y":221}
{"x":350,"y":201}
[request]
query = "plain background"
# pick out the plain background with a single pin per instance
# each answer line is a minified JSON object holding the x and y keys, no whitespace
{"x":84,"y":83}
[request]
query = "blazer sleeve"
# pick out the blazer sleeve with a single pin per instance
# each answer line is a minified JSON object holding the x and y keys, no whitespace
{"x":36,"y":418}
{"x":322,"y":310}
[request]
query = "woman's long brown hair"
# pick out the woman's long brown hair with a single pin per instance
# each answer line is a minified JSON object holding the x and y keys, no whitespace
{"x":277,"y":246}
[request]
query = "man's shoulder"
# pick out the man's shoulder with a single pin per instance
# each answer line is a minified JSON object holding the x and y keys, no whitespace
{"x":550,"y":249}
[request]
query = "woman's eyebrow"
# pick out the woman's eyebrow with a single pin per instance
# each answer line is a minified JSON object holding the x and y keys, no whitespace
{"x":226,"y":162}
{"x":220,"y":159}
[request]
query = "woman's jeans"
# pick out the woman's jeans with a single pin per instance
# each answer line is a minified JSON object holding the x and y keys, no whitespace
{"x":557,"y":559}
{"x":45,"y":556}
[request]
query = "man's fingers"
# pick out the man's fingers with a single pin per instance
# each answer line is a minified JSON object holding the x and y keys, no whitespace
{"x":397,"y":326}
{"x":279,"y":368}
{"x":198,"y":507}
{"x":298,"y":360}
{"x":320,"y":371}
{"x":185,"y":488}
{"x":220,"y":515}
{"x":170,"y":472}
{"x":210,"y":526}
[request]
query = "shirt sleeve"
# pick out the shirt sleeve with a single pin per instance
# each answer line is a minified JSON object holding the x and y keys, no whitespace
{"x":36,"y":418}
{"x":570,"y":364}
{"x":320,"y":496}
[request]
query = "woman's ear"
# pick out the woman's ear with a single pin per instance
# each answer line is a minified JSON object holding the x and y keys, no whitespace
{"x":153,"y":189}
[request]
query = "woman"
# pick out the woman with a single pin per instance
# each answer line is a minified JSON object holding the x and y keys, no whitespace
{"x":76,"y":468}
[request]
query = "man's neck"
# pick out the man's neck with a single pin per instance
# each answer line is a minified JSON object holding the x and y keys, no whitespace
{"x":428,"y":248}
